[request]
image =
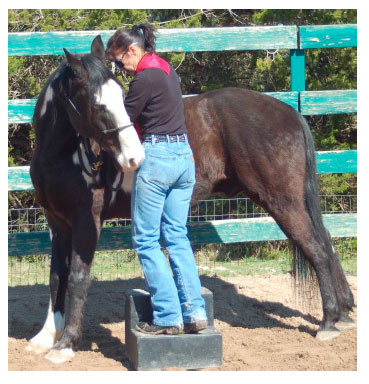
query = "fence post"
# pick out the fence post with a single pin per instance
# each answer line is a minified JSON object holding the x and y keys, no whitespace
{"x":298,"y":71}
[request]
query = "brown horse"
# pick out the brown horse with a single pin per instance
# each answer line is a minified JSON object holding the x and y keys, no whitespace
{"x":242,"y":141}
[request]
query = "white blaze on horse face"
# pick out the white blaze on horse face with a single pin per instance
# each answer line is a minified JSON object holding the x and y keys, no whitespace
{"x":48,"y":97}
{"x":131,"y":151}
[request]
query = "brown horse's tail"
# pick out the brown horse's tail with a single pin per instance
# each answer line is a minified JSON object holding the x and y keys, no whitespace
{"x":302,"y":269}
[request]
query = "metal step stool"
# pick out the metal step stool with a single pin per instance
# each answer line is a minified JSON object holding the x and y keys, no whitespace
{"x":155,"y":352}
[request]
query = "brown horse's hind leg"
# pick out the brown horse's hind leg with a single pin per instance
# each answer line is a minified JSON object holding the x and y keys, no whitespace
{"x":345,"y":297}
{"x":298,"y":226}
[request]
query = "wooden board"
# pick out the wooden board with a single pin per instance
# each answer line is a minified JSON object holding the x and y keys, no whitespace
{"x":328,"y":36}
{"x":19,"y":179}
{"x":327,"y":162}
{"x":222,"y":231}
{"x":290,"y":98}
{"x":336,"y":161}
{"x":20,"y":111}
{"x":311,"y":103}
{"x":168,"y":40}
{"x":328,"y":102}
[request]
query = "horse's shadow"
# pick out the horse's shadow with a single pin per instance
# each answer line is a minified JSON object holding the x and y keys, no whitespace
{"x":27,"y":307}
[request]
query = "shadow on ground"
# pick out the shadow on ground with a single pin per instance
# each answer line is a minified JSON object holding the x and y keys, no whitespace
{"x":27,"y":308}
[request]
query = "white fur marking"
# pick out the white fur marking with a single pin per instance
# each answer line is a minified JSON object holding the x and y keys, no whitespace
{"x":48,"y":97}
{"x":114,"y":193}
{"x":126,"y":185}
{"x":111,"y":96}
{"x":60,"y":356}
{"x":75,"y":158}
{"x":49,"y":334}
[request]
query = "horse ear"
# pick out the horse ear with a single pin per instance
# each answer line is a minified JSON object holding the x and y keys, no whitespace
{"x":75,"y":63}
{"x":97,"y":47}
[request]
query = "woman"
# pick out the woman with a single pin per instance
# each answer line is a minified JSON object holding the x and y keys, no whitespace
{"x":163,"y":185}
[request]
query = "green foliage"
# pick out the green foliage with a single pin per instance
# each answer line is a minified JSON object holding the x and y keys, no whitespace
{"x":304,"y":16}
{"x":11,"y":161}
{"x":338,"y":184}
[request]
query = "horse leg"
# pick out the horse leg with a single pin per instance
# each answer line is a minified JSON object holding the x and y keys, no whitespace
{"x":60,"y":256}
{"x":346,"y":299}
{"x":85,"y":235}
{"x":298,"y":226}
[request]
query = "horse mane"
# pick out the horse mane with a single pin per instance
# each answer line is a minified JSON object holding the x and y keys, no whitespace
{"x":98,"y":72}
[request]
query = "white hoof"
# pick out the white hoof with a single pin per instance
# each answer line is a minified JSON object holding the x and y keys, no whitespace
{"x":41,"y":343}
{"x":344,"y":325}
{"x":50,"y":333}
{"x":327,"y":335}
{"x":37,"y":348}
{"x":60,"y":356}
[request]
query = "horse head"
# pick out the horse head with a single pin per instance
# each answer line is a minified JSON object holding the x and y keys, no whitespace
{"x":95,"y":107}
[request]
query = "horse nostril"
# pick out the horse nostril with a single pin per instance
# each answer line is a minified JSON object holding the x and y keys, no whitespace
{"x":132,"y":163}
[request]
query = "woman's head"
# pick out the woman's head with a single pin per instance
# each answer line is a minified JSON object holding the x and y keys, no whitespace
{"x":127,"y":46}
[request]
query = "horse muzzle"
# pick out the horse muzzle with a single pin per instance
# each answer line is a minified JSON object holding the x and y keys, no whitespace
{"x":129,"y":163}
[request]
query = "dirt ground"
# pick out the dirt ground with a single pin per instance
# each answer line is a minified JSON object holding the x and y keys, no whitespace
{"x":264,"y":326}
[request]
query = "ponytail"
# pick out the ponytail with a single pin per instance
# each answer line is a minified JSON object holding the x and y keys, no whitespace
{"x":146,"y":36}
{"x":143,"y":35}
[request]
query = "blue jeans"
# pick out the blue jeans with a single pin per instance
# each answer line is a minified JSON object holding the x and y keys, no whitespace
{"x":161,"y":195}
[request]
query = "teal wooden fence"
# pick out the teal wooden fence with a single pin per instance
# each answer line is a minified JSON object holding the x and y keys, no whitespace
{"x":295,"y":39}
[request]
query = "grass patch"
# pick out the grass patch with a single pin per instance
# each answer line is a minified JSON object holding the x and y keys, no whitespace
{"x":222,"y":260}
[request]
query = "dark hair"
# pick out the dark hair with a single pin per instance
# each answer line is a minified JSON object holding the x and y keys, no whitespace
{"x":142,"y":34}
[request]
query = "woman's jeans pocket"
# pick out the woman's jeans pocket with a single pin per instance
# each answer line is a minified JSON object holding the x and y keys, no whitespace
{"x":169,"y":165}
{"x":162,"y":169}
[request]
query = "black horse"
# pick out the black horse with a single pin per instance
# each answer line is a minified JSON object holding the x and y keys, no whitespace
{"x":242,"y":141}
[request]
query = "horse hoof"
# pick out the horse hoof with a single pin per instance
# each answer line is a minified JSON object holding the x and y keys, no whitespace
{"x":37,"y":348}
{"x":327,"y":335}
{"x":344,"y":325}
{"x":57,"y":356}
{"x":41,"y":343}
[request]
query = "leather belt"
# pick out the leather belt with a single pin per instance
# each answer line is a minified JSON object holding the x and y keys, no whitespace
{"x":165,"y":138}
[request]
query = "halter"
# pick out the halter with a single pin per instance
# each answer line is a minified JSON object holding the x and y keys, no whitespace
{"x":72,"y":108}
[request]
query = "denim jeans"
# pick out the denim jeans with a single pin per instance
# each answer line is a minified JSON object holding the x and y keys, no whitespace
{"x":161,"y":195}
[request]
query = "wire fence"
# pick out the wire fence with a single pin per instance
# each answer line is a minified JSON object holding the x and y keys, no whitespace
{"x":219,"y":259}
{"x":34,"y":219}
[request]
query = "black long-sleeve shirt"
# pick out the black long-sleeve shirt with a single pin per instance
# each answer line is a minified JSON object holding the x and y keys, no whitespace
{"x":154,"y":101}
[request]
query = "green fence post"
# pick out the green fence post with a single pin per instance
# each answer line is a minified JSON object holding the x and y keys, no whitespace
{"x":297,"y":70}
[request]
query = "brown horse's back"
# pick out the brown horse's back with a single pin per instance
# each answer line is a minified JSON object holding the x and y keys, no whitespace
{"x":247,"y":139}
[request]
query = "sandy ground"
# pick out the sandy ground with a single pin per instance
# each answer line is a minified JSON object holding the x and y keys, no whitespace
{"x":263,"y":324}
